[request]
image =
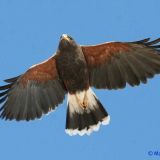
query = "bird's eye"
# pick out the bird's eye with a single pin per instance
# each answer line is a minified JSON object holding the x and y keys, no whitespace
{"x":70,"y":37}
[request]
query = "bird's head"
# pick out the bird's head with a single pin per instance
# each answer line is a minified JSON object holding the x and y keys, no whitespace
{"x":66,"y":42}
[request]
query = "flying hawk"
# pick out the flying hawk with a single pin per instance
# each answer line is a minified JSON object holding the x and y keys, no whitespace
{"x":73,"y":70}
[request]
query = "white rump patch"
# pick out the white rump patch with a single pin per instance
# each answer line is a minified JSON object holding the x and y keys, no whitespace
{"x":73,"y":132}
{"x":74,"y":106}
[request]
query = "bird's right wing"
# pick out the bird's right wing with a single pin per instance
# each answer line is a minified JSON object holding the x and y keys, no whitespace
{"x":32,"y":94}
{"x":112,"y":65}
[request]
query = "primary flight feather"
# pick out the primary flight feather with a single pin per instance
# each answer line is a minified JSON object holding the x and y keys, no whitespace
{"x":73,"y":70}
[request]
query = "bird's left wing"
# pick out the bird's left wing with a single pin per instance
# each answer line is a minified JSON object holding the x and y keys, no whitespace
{"x":112,"y":65}
{"x":32,"y":94}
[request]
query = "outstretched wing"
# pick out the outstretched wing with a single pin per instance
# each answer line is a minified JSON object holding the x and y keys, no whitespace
{"x":112,"y":65}
{"x":32,"y":94}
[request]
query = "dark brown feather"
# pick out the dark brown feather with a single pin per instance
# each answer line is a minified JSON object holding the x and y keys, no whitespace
{"x":41,"y":73}
{"x":121,"y":62}
{"x":154,"y":42}
{"x":100,"y":54}
{"x":11,"y":80}
{"x":36,"y":92}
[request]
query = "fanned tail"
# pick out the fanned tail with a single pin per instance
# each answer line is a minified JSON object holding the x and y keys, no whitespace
{"x":85,"y":120}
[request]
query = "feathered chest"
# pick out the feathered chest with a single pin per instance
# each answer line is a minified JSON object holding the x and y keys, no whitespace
{"x":73,"y":70}
{"x":71,"y":63}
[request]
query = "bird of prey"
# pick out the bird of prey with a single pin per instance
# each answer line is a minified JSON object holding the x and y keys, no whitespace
{"x":73,"y":70}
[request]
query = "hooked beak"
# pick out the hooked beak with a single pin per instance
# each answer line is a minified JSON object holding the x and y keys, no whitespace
{"x":65,"y":37}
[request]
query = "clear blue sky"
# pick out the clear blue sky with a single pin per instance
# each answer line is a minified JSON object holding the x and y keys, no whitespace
{"x":29,"y":33}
